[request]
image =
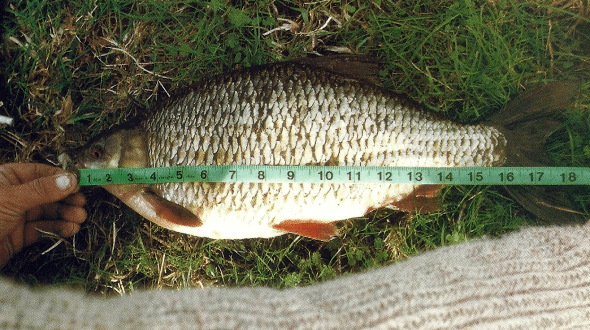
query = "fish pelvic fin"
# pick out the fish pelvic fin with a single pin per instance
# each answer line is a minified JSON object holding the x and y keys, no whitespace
{"x":526,"y":122}
{"x":309,"y":228}
{"x":424,"y":199}
{"x":155,"y":208}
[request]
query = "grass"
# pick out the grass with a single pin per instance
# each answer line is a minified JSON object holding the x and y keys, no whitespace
{"x":74,"y":69}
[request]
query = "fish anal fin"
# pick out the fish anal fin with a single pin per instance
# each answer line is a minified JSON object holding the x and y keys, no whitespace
{"x":309,"y":228}
{"x":153,"y":207}
{"x":424,"y":199}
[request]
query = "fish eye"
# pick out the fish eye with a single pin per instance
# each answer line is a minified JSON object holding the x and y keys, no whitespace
{"x":96,"y":153}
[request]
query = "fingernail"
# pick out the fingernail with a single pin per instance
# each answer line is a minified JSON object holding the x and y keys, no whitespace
{"x":64,"y":181}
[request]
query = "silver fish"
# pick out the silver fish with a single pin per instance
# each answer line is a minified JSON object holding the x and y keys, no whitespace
{"x":295,"y":113}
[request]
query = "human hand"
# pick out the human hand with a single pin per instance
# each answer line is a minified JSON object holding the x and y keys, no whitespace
{"x":36,"y":196}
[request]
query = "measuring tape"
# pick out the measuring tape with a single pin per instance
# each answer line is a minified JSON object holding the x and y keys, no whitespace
{"x":340,"y":174}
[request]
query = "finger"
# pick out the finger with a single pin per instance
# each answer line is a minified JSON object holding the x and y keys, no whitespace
{"x":19,"y":173}
{"x":58,"y":211}
{"x":51,"y":211}
{"x":76,"y":199}
{"x":6,"y":252}
{"x":60,"y":228}
{"x":38,"y":192}
{"x":72,"y":213}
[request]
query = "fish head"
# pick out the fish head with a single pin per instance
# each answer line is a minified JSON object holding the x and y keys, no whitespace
{"x":114,"y":149}
{"x":101,"y":152}
{"x":128,"y":148}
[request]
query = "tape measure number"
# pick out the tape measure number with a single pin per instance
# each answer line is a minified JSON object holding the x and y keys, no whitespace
{"x":340,"y":174}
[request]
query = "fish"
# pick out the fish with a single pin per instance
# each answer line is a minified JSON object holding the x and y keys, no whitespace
{"x":313,"y":112}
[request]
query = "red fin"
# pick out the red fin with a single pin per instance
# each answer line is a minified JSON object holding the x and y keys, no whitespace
{"x":425,"y":199}
{"x":308,"y":228}
{"x":172,"y":212}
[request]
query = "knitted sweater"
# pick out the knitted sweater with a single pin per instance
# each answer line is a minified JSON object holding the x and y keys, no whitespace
{"x":537,"y":278}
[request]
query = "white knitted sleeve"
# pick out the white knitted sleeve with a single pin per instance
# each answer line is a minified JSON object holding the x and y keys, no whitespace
{"x":537,"y":278}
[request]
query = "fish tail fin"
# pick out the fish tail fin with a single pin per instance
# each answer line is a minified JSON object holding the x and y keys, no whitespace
{"x":529,"y":119}
{"x":526,"y":122}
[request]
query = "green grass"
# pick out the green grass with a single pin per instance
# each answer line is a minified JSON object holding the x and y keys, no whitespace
{"x":75,"y":69}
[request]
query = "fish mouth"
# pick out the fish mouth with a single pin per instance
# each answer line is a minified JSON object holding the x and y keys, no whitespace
{"x":68,"y":163}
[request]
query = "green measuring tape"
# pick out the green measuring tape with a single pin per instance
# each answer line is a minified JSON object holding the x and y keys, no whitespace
{"x":340,"y":174}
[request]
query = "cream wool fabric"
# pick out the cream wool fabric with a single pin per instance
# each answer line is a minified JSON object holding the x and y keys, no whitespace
{"x":537,"y":278}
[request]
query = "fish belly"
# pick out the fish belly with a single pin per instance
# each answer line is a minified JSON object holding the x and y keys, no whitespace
{"x":243,"y":210}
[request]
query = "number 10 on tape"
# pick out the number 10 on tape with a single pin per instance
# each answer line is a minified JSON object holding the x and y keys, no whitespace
{"x":340,"y":174}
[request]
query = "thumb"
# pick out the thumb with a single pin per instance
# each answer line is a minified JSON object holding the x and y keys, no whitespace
{"x":43,"y":190}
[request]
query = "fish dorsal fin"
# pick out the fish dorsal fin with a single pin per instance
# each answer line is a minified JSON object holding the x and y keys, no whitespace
{"x":155,"y":208}
{"x":309,"y":228}
{"x":357,"y":67}
{"x":424,"y":199}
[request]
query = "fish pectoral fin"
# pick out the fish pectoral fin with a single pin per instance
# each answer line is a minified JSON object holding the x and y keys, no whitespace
{"x":424,"y":199}
{"x":309,"y":228}
{"x":153,"y":207}
{"x":171,"y":212}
